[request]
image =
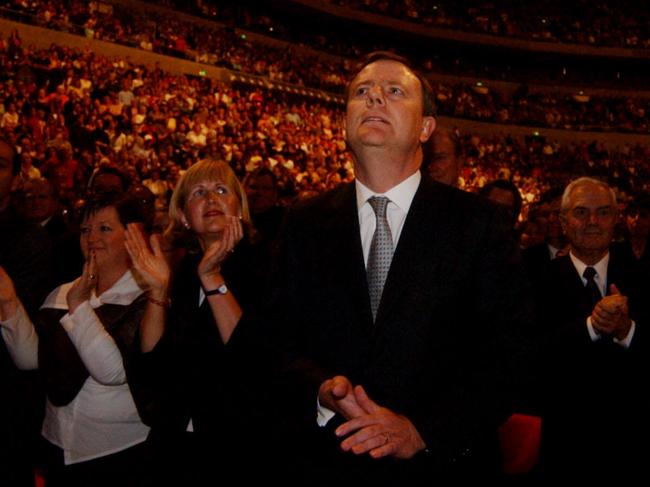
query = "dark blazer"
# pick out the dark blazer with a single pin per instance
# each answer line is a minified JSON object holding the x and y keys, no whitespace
{"x":537,"y":259}
{"x":452,"y":315}
{"x":192,"y":378}
{"x":624,"y":248}
{"x":26,"y":255}
{"x":68,"y":260}
{"x":594,"y":413}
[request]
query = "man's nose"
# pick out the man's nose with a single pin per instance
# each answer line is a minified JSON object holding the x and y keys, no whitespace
{"x":375,"y":96}
{"x":593,"y":217}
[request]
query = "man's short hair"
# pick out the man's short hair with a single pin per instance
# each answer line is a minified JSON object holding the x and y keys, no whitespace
{"x":508,"y":186}
{"x":258,"y":173}
{"x":566,"y":196}
{"x":123,"y":177}
{"x":551,"y":195}
{"x":51,"y":188}
{"x":428,"y":106}
{"x":429,"y":147}
{"x":15,"y":159}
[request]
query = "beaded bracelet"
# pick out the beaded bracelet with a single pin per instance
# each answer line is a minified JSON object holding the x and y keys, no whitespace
{"x":165,"y":304}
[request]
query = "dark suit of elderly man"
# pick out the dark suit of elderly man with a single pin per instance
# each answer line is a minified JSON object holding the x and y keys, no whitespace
{"x":593,"y":348}
{"x":402,"y":300}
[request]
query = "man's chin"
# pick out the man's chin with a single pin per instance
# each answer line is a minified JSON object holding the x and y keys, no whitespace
{"x":373,"y":139}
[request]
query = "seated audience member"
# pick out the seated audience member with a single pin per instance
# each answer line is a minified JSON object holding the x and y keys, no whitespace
{"x":538,"y":257}
{"x":261,"y":188}
{"x":637,"y":223}
{"x":505,"y":194}
{"x":443,"y":156}
{"x":42,"y":207}
{"x":27,"y":169}
{"x":148,"y":200}
{"x":155,"y":184}
{"x":107,"y":179}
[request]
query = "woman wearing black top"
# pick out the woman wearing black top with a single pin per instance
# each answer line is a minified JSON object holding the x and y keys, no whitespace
{"x":205,"y":415}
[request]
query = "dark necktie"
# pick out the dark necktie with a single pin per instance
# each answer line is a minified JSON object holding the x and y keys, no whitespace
{"x":381,"y":253}
{"x":589,"y":274}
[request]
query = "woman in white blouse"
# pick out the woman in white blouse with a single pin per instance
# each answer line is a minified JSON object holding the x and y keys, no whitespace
{"x":86,"y":347}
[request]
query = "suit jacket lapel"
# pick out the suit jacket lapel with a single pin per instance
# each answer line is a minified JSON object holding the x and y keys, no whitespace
{"x":418,"y":251}
{"x":348,"y":263}
{"x":574,"y":288}
{"x":616,"y":275}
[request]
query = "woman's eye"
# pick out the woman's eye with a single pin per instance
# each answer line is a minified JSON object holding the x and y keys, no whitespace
{"x":199,"y":192}
{"x":222,"y":190}
{"x":362,"y":90}
{"x":84,"y":230}
{"x":394,"y":90}
{"x":105,"y":228}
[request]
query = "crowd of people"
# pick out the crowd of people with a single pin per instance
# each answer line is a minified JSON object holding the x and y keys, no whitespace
{"x":582,"y":22}
{"x":384,"y":331}
{"x":164,"y":33}
{"x":578,"y":112}
{"x":200,"y":279}
{"x":167,"y":34}
{"x":70,"y":112}
{"x":79,"y":110}
{"x":349,"y":37}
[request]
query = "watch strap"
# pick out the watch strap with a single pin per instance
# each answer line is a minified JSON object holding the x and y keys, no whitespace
{"x":222,"y":289}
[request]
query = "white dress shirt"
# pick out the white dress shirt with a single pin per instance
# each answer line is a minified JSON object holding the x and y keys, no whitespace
{"x":552,"y":250}
{"x":401,"y":197}
{"x":601,"y":281}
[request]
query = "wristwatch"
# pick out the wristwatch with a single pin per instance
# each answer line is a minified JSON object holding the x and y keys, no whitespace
{"x":223,"y":289}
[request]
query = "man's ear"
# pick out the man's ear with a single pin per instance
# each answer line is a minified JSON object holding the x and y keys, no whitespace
{"x":428,"y":126}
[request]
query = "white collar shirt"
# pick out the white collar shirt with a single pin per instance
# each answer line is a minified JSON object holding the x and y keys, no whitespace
{"x":400,"y":196}
{"x":601,"y":271}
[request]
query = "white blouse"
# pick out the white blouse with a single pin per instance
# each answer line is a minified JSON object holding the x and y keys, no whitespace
{"x":102,"y":419}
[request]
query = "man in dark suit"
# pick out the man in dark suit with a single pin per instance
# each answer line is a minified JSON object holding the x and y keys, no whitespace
{"x":443,"y":156}
{"x":25,"y":255}
{"x":537,"y":257}
{"x":593,"y":354}
{"x":414,"y":378}
{"x":42,"y":207}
